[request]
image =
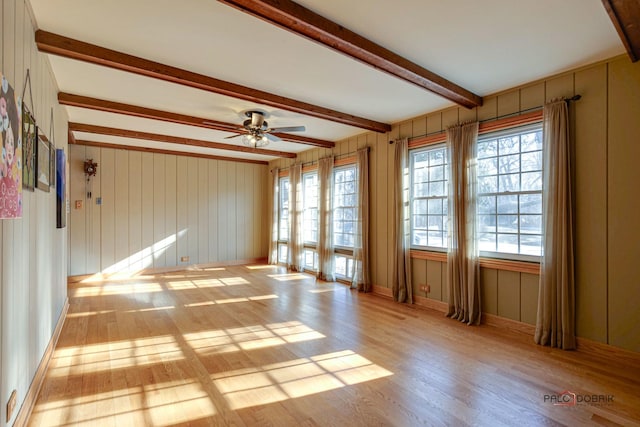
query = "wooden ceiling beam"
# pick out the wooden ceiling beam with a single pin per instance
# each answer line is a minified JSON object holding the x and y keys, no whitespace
{"x":625,"y":16}
{"x":161,"y":151}
{"x":103,"y":130}
{"x":75,"y":49}
{"x":299,"y":20}
{"x":166,"y":116}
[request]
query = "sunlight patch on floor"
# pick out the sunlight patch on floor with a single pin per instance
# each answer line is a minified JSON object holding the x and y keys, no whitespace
{"x":117,"y":289}
{"x":232,"y":300}
{"x":249,"y":387}
{"x":95,"y":358}
{"x":161,"y":404}
{"x":250,"y":337}
{"x":289,"y":277}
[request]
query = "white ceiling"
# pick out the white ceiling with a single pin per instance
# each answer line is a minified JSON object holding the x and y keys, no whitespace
{"x":483,"y":46}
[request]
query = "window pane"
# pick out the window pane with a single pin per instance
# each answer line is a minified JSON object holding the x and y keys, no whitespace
{"x":420,"y":207}
{"x":531,"y":141}
{"x":435,"y":206}
{"x":487,"y":149}
{"x":488,"y":184}
{"x":486,"y":204}
{"x":487,"y":242}
{"x":282,"y":253}
{"x":508,"y":204}
{"x":509,"y":164}
{"x":487,"y":223}
{"x":532,"y":161}
{"x":531,"y":224}
{"x":531,"y":203}
{"x":437,"y":239}
{"x":509,"y":182}
{"x":436,"y":173}
{"x":435,"y":222}
{"x":436,"y":189}
{"x":508,"y":224}
{"x":488,"y":166}
{"x":531,"y":245}
{"x":436,"y":157}
{"x":532,"y":181}
{"x":508,"y":243}
{"x":509,"y":145}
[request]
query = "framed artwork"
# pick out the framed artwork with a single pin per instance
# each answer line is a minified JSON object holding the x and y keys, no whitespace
{"x":11,"y":149}
{"x":43,"y":162}
{"x":52,"y":164}
{"x":29,"y":131}
{"x":61,"y":189}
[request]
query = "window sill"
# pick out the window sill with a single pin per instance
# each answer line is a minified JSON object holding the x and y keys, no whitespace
{"x":497,"y":264}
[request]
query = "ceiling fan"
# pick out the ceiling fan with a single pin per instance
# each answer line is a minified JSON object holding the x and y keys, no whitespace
{"x":255,"y":131}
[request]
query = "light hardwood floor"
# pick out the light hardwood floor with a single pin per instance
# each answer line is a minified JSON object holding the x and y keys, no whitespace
{"x":255,"y":345}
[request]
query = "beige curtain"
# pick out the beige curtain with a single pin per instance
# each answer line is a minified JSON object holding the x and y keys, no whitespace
{"x":296,"y":246}
{"x":361,"y":277}
{"x":401,"y":249}
{"x":463,"y":267}
{"x":555,"y":325}
{"x":275,"y":200}
{"x":325,"y":220}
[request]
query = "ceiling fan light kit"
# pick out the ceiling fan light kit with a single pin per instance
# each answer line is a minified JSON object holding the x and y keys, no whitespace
{"x":255,"y":131}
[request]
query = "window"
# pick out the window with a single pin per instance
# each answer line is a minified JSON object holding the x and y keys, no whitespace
{"x":283,"y":219}
{"x":283,"y":231}
{"x":310,"y":259}
{"x":310,"y":205}
{"x":344,"y":266}
{"x":509,"y":204}
{"x":344,"y":206}
{"x":428,"y":195}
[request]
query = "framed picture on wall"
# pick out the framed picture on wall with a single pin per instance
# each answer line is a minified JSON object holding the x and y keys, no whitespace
{"x":43,"y":161}
{"x":11,"y":149}
{"x":61,"y":188}
{"x":52,"y":164}
{"x":29,"y":131}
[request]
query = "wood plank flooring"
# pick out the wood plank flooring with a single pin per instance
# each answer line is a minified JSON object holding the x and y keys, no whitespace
{"x":255,"y":345}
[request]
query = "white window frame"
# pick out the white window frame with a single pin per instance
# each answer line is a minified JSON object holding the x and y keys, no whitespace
{"x":283,"y":241}
{"x":344,"y":208}
{"x":535,"y":127}
{"x":430,"y":199}
{"x":308,"y":209}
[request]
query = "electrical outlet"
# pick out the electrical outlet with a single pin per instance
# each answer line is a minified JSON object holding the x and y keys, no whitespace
{"x":184,"y":259}
{"x":425,"y":288}
{"x":11,"y":404}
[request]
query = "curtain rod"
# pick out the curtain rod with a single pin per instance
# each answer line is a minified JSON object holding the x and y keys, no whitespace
{"x":504,"y":116}
{"x":335,"y":157}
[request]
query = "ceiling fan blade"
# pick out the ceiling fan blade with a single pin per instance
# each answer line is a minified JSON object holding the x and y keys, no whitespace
{"x":234,"y":136}
{"x":288,"y":129}
{"x":272,"y":138}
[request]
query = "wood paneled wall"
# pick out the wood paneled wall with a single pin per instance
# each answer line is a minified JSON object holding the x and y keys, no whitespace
{"x":605,"y":127}
{"x":157,"y":208}
{"x":33,"y":253}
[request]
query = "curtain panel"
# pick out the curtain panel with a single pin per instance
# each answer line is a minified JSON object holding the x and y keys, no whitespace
{"x":325,"y":220}
{"x":275,"y":200}
{"x":463,"y":266}
{"x":555,"y":324}
{"x":361,"y":277}
{"x":296,"y":246}
{"x":401,"y":239}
